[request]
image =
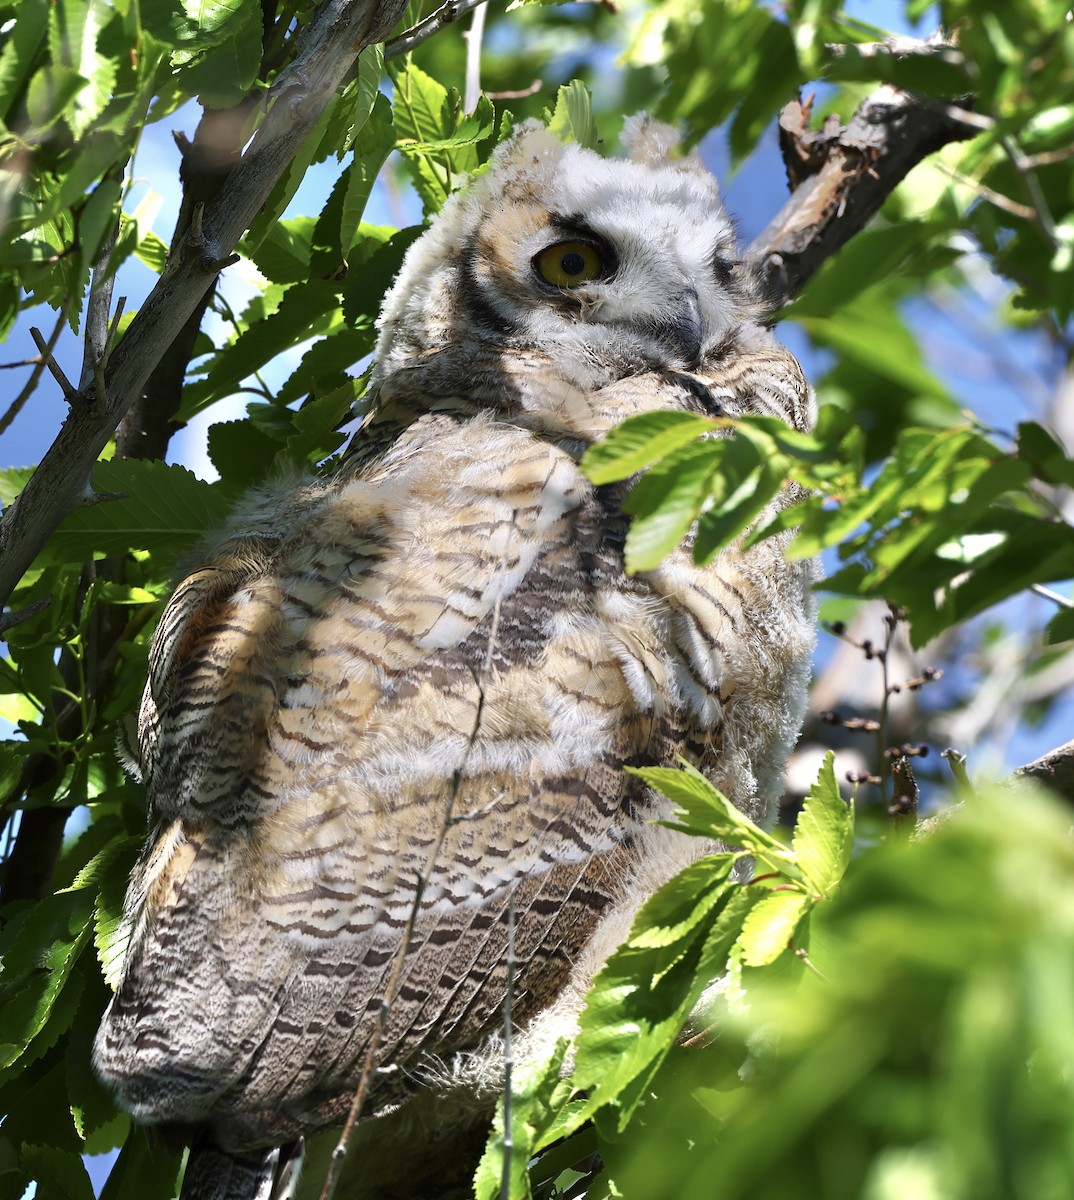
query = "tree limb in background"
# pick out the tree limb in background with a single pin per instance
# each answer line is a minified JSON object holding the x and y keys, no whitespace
{"x":340,"y":30}
{"x":1055,"y":770}
{"x":840,"y":177}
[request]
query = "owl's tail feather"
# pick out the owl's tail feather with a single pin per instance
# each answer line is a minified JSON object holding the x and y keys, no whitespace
{"x":215,"y":1174}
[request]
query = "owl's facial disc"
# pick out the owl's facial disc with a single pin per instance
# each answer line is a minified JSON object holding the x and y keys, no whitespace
{"x":598,"y":268}
{"x":624,"y":278}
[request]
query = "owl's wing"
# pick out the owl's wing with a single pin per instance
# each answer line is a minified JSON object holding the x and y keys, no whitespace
{"x":386,"y":707}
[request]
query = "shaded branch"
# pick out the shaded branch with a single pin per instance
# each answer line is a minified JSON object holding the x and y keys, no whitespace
{"x":1055,"y":770}
{"x":338,"y":33}
{"x":840,"y":177}
{"x":445,"y":15}
{"x":207,"y":161}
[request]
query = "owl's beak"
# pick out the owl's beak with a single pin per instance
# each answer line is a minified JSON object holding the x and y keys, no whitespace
{"x":683,"y":330}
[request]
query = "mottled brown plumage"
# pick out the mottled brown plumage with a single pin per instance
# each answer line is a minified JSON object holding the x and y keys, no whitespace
{"x":403,"y":695}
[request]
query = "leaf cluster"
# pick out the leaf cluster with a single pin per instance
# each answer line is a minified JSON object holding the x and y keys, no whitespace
{"x":927,"y":1056}
{"x":948,"y":525}
{"x":710,"y":919}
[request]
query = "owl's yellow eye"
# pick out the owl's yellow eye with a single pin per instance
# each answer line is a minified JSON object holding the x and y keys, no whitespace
{"x":566,"y":264}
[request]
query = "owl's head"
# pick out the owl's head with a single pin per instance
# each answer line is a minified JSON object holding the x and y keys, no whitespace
{"x":603,"y":266}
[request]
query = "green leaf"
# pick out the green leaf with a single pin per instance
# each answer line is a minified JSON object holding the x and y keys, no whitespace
{"x":163,"y":508}
{"x":59,"y":1174}
{"x":872,"y":335}
{"x":1060,"y":628}
{"x":316,"y":434}
{"x":97,"y":219}
{"x":676,"y":910}
{"x":39,"y":948}
{"x":111,"y":932}
{"x":370,"y":72}
{"x":93,"y":1107}
{"x":871,"y":257}
{"x":12,"y":481}
{"x":51,"y":93}
{"x":743,"y":484}
{"x":417,"y":113}
{"x":19,"y":52}
{"x":824,"y":832}
{"x":152,"y":251}
{"x":373,"y":265}
{"x":706,"y":811}
{"x":572,"y":120}
{"x":242,"y":453}
{"x":537,"y":1098}
{"x":666,"y":502}
{"x":288,"y":183}
{"x":145,"y":1170}
{"x":283,"y":255}
{"x":1045,"y":454}
{"x":770,"y":925}
{"x":226,"y":71}
{"x":633,"y":1012}
{"x":306,"y":310}
{"x":74,"y":29}
{"x":640,"y":441}
{"x":373,"y":145}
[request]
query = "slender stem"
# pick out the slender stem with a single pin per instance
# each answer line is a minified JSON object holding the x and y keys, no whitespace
{"x":1054,"y":597}
{"x":98,"y":308}
{"x":473,"y":38}
{"x":1032,"y":185}
{"x":508,"y":1061}
{"x":446,"y":14}
{"x":16,"y":405}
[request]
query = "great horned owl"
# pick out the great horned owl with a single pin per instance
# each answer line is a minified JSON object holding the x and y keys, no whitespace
{"x":395,"y":703}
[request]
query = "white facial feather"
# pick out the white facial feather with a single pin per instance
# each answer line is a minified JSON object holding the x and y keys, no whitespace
{"x":666,"y":300}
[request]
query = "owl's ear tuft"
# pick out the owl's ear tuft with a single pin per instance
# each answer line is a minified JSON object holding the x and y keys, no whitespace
{"x":649,"y":141}
{"x":531,"y":142}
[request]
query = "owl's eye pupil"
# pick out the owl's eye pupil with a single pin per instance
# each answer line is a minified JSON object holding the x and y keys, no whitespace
{"x":567,"y":264}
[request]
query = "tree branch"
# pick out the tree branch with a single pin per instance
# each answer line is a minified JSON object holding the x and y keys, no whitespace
{"x":446,"y":14}
{"x":1055,"y":770}
{"x":840,"y":176}
{"x":340,"y":30}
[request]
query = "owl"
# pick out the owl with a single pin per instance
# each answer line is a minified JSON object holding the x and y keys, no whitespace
{"x":388,"y":715}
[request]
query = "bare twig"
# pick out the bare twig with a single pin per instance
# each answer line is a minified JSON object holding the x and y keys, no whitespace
{"x":1049,"y":158}
{"x":986,"y":193}
{"x":473,"y":36}
{"x":113,"y":327}
{"x":54,"y":369}
{"x":1056,"y":769}
{"x":9,"y":620}
{"x":518,"y":93}
{"x":16,"y":405}
{"x":98,"y":307}
{"x":445,"y":15}
{"x":956,"y":760}
{"x":508,"y":1059}
{"x":1032,"y":185}
{"x":1054,"y":597}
